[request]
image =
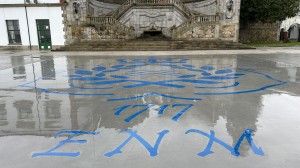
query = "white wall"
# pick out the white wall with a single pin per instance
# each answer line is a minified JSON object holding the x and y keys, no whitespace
{"x":286,"y":24}
{"x":13,"y":14}
{"x":54,"y":14}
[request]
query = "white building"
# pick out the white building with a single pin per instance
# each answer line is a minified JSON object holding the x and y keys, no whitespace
{"x":292,"y":25}
{"x":36,"y":24}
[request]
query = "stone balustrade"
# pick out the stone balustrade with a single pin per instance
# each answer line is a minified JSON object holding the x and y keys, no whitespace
{"x":206,"y":19}
{"x":129,"y":3}
{"x":109,"y":21}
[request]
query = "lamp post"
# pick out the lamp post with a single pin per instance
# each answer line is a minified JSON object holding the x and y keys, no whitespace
{"x":27,"y":25}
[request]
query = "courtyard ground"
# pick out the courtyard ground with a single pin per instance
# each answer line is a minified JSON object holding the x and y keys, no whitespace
{"x":220,"y":108}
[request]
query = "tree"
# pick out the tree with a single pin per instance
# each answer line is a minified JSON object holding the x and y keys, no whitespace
{"x":268,"y":11}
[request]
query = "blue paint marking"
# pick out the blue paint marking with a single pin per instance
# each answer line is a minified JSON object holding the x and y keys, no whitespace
{"x":153,"y":150}
{"x":224,"y":71}
{"x":86,"y":88}
{"x":119,"y":76}
{"x":187,"y":76}
{"x":206,"y":74}
{"x":69,"y":140}
{"x":100,"y":74}
{"x":117,"y":66}
{"x":139,"y":112}
{"x":160,"y":110}
{"x":152,"y":60}
{"x":73,"y":76}
{"x":220,"y":87}
{"x":180,"y":75}
{"x":208,"y":68}
{"x":236,"y":75}
{"x":188,"y":65}
{"x":87,"y":79}
{"x":176,"y":117}
{"x":219,"y":77}
{"x":27,"y":85}
{"x":99,"y":68}
{"x":233,"y":150}
{"x":146,"y":83}
{"x":83,"y":72}
{"x":121,"y":109}
{"x":153,"y":93}
{"x":114,"y":70}
{"x":280,"y":83}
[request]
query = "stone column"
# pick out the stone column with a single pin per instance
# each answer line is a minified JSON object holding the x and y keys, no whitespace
{"x":229,"y":19}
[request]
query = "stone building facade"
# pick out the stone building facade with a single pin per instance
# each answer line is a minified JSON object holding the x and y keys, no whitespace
{"x":87,"y":20}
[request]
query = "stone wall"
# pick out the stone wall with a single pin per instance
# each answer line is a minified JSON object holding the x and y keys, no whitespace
{"x":207,"y":31}
{"x":153,"y":17}
{"x":259,"y":32}
{"x":86,"y":33}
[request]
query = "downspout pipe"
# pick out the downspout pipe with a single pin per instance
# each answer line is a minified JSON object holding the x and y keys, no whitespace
{"x":30,"y":46}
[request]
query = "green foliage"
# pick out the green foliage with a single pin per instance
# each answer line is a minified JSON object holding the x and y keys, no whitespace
{"x":268,"y":10}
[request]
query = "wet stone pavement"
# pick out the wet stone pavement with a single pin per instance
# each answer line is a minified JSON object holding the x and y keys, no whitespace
{"x":179,"y":111}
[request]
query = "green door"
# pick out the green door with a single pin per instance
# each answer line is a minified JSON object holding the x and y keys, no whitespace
{"x":44,"y":34}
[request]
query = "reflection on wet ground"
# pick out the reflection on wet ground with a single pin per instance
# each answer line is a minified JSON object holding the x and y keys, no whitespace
{"x":226,"y":95}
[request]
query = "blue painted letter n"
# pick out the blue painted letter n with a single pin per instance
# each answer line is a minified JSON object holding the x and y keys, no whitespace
{"x":133,"y":134}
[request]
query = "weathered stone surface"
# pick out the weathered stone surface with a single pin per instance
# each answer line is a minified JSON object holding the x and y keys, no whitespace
{"x":208,"y":7}
{"x":143,"y":18}
{"x":228,"y":31}
{"x":152,"y":18}
{"x":97,"y":8}
{"x":200,"y":32}
{"x":259,"y":32}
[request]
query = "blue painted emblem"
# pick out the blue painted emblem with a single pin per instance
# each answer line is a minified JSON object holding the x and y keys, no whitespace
{"x":127,"y":80}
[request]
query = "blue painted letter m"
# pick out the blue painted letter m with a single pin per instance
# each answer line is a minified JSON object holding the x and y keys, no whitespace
{"x":233,"y":150}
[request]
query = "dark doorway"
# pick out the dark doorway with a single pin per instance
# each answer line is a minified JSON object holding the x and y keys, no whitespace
{"x":153,"y":34}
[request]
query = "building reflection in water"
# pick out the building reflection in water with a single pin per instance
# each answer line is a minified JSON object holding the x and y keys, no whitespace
{"x":3,"y":115}
{"x":47,"y":67}
{"x":53,"y":114}
{"x":19,"y":70}
{"x":298,"y":75}
{"x":25,"y":114}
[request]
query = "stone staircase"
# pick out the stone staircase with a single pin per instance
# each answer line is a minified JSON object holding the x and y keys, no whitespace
{"x":154,"y":44}
{"x":130,"y":3}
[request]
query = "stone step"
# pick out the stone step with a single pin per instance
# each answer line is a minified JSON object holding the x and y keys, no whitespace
{"x":152,"y":45}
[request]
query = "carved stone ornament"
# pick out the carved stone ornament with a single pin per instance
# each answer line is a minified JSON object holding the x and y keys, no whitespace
{"x":76,"y":10}
{"x":230,"y":9}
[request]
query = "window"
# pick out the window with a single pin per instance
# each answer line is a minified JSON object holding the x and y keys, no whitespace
{"x":13,"y":31}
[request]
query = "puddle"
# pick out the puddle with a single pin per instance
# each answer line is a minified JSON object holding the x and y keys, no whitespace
{"x":149,"y":112}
